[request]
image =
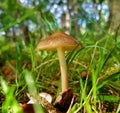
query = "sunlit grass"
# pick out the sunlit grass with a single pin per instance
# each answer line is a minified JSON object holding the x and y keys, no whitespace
{"x":10,"y":104}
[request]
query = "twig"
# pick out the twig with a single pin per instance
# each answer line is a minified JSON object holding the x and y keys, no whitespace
{"x":70,"y":104}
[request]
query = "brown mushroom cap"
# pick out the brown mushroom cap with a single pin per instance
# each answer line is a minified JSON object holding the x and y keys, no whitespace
{"x":56,"y":40}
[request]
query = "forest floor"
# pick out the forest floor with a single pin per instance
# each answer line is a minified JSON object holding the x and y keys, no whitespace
{"x":94,"y":78}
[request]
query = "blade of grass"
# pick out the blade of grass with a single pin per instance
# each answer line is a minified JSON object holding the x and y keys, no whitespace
{"x":105,"y":80}
{"x":26,"y":15}
{"x":118,"y":109}
{"x":109,"y":98}
{"x":33,"y":91}
{"x":71,"y":56}
{"x":84,"y":98}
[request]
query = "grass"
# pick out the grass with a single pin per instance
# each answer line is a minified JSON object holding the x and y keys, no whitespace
{"x":39,"y":71}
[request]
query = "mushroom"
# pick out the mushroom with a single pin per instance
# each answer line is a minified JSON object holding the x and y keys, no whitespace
{"x":59,"y":41}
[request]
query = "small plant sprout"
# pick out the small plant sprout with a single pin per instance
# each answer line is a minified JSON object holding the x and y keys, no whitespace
{"x":59,"y":41}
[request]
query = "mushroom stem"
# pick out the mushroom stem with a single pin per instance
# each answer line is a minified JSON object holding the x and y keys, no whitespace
{"x":63,"y":68}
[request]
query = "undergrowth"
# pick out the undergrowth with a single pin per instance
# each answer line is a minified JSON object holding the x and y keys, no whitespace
{"x":94,"y":75}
